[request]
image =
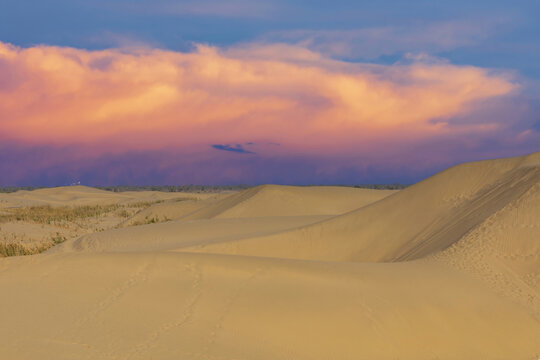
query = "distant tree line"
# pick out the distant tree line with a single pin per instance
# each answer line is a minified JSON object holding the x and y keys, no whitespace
{"x":197,"y":188}
{"x":382,"y":186}
{"x":175,"y":188}
{"x":10,"y":189}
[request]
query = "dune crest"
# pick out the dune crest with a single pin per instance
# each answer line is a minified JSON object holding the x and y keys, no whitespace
{"x":278,"y":200}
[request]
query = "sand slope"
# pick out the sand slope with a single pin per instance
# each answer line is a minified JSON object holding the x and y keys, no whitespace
{"x":275,"y":200}
{"x":169,"y":306}
{"x":174,"y":235}
{"x":446,"y":269}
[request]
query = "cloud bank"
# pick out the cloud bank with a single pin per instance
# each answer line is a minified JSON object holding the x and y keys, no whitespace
{"x":118,"y":101}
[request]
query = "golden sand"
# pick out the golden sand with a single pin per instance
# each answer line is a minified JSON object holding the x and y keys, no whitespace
{"x":446,"y":269}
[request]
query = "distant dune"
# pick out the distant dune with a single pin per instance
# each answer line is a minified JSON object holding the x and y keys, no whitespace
{"x":448,"y":268}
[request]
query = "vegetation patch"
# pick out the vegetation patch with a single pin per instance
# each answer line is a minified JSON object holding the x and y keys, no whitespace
{"x":144,"y":204}
{"x":20,"y":249}
{"x":66,"y":214}
{"x":151,"y":220}
{"x":53,"y":215}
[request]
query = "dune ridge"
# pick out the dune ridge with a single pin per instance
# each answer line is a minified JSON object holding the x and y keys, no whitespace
{"x":279,"y":200}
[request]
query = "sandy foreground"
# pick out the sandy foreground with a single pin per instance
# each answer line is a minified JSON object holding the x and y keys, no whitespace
{"x":448,"y":268}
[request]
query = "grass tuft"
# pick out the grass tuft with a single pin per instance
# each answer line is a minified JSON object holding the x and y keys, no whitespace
{"x":150,"y":220}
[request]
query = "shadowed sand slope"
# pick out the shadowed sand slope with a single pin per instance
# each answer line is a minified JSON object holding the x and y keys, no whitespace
{"x":175,"y":235}
{"x":446,"y":269}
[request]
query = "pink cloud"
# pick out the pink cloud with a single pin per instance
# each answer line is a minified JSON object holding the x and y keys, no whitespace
{"x":119,"y":100}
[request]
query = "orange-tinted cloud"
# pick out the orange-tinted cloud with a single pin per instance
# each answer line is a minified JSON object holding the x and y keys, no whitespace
{"x":141,"y":99}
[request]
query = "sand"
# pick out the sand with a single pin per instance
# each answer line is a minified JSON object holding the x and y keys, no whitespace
{"x":448,"y":268}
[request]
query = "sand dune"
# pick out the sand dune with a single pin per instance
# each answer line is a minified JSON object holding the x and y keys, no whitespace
{"x":446,"y":269}
{"x":83,"y":195}
{"x":427,"y":217}
{"x":261,"y":210}
{"x":275,"y":200}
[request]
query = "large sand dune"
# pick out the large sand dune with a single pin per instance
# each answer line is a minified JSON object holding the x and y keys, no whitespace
{"x":427,"y":217}
{"x":446,"y":269}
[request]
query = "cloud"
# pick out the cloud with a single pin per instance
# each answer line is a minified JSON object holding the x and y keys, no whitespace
{"x":238,"y":148}
{"x":146,"y":98}
{"x":119,"y":101}
{"x":372,"y":42}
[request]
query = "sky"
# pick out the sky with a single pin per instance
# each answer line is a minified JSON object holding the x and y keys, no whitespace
{"x":162,"y":92}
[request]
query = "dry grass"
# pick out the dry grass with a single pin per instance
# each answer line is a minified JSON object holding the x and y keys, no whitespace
{"x":54,"y":215}
{"x":123,"y":213}
{"x":20,"y":249}
{"x":144,"y":204}
{"x":150,"y":220}
{"x":58,"y":215}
